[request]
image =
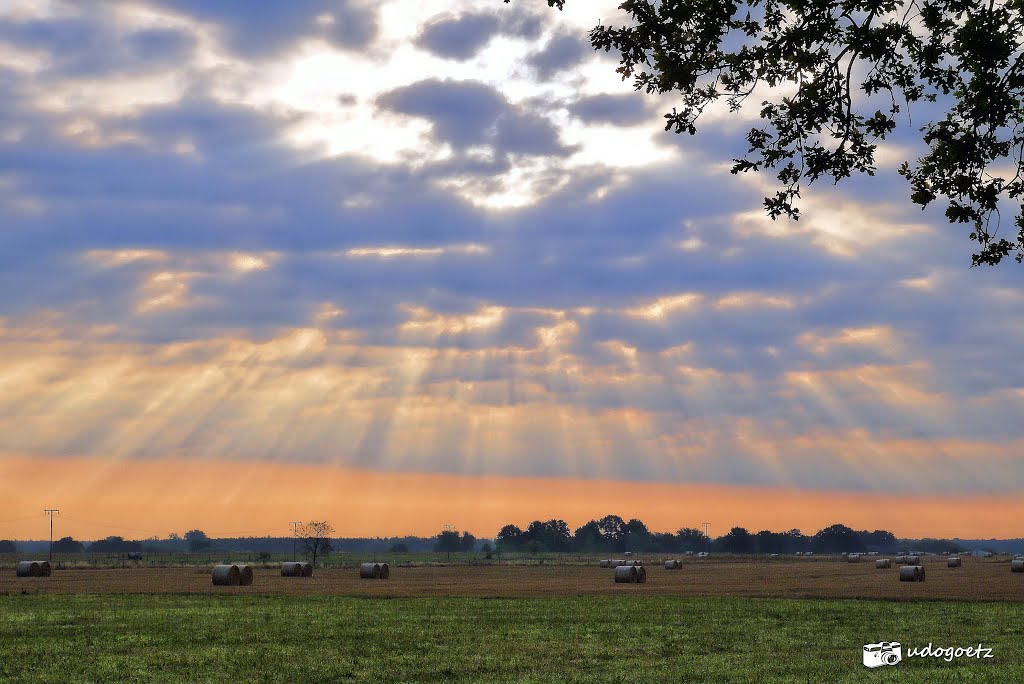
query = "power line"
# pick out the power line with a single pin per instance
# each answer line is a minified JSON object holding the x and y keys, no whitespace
{"x":24,"y":517}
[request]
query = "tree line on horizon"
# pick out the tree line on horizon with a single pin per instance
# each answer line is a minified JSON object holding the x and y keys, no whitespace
{"x":610,"y":534}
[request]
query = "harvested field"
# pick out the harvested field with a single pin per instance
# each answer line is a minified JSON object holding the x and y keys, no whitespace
{"x":975,"y":581}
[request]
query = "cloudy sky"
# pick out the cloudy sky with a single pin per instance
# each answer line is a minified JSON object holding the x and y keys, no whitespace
{"x":405,"y":263}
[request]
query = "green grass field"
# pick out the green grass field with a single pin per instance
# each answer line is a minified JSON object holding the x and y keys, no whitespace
{"x":190,"y":638}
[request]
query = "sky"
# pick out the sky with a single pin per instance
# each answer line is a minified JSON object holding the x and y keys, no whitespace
{"x":399,"y":264}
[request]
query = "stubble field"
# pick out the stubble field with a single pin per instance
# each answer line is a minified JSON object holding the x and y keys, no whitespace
{"x":977,"y":580}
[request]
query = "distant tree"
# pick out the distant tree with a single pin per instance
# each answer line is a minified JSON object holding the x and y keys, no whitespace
{"x":770,"y":542}
{"x":510,"y":538}
{"x":487,"y":550}
{"x":315,"y":537}
{"x":588,"y":538}
{"x":664,"y":542}
{"x":114,"y":544}
{"x":692,"y":539}
{"x":797,"y":541}
{"x":738,"y":540}
{"x":448,"y":541}
{"x":879,"y":540}
{"x":837,"y":539}
{"x":551,"y":535}
{"x":635,"y":536}
{"x":197,"y":540}
{"x":936,"y":545}
{"x":68,"y":545}
{"x":612,"y":529}
{"x":467,"y":542}
{"x":8,"y":546}
{"x":399,"y":547}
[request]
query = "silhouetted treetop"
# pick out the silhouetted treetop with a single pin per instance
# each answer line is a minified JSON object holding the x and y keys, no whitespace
{"x":834,"y":78}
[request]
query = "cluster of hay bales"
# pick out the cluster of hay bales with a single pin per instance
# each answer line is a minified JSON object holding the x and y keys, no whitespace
{"x":673,"y":565}
{"x":853,"y":558}
{"x":908,"y":560}
{"x":634,"y":562}
{"x":953,"y":562}
{"x":883,"y":564}
{"x":232,"y":575}
{"x":34,"y":569}
{"x":912,"y":573}
{"x":630,"y":574}
{"x":296,"y":569}
{"x":1017,"y":565}
{"x":374,"y":571}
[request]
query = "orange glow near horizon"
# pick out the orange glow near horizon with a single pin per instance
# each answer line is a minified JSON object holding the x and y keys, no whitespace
{"x":139,"y":499}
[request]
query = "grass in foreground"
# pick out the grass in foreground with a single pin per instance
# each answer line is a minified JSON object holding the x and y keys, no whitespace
{"x":175,"y":638}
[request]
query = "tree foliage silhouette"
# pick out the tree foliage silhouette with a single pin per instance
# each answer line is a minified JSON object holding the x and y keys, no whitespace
{"x":839,"y":76}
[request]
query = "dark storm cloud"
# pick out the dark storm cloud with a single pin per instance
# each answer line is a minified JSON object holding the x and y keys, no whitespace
{"x":561,"y":53}
{"x":459,"y":38}
{"x":622,"y":110}
{"x":90,"y":46}
{"x":466,"y":113}
{"x":260,"y":28}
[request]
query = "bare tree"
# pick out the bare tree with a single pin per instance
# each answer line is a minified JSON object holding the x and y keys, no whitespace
{"x":316,"y":539}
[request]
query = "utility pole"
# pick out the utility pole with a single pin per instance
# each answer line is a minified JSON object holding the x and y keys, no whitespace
{"x":295,"y":536}
{"x":51,"y":511}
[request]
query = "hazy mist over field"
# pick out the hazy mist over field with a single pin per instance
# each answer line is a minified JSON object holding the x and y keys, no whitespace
{"x":404,"y":263}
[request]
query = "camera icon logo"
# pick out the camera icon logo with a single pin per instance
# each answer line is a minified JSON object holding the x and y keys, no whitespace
{"x":882,"y":653}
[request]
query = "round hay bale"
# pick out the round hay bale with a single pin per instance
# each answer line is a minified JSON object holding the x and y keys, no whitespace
{"x":912,"y":573}
{"x":307,"y":569}
{"x":673,"y":565}
{"x":244,"y":575}
{"x":853,"y":558}
{"x":291,"y":569}
{"x":641,"y":574}
{"x":616,"y":562}
{"x":45,"y":570}
{"x":954,"y":562}
{"x":1017,"y":566}
{"x":625,"y":574}
{"x":369,"y":571}
{"x":226,"y":575}
{"x":883,"y":563}
{"x":901,"y":560}
{"x":606,"y":563}
{"x":29,"y":569}
{"x":913,"y":560}
{"x":385,"y":571}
